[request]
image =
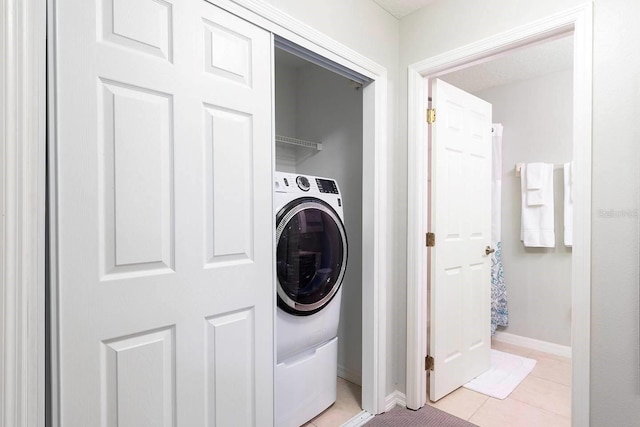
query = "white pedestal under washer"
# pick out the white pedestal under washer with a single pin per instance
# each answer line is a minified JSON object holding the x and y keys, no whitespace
{"x":311,"y":258}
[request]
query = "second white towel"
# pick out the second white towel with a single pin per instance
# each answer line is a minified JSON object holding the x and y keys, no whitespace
{"x":537,"y":221}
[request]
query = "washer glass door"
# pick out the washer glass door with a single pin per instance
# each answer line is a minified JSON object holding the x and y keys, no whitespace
{"x":311,"y":255}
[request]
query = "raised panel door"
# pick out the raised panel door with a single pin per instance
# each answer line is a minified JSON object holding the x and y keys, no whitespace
{"x":460,"y":286}
{"x":164,"y":218}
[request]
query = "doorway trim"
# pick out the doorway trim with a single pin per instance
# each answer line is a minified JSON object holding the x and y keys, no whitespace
{"x":578,"y":21}
{"x":22,"y":212}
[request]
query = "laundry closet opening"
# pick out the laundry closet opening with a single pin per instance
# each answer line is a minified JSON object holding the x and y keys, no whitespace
{"x":318,"y":143}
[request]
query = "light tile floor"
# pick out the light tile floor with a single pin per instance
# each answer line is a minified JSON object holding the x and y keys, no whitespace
{"x":543,"y":399}
{"x":348,"y":404}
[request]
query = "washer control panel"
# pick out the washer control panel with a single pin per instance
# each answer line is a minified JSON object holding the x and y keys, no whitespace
{"x":304,"y":184}
{"x":327,"y":186}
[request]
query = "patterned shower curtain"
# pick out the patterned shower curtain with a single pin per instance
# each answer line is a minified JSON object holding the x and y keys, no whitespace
{"x":499,"y":310}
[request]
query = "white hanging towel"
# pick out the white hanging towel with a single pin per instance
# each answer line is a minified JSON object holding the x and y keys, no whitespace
{"x":536,"y":183}
{"x":537,"y":220}
{"x":568,"y":204}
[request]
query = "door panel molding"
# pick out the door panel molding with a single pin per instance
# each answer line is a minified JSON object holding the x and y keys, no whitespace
{"x":578,"y":21}
{"x":148,"y":310}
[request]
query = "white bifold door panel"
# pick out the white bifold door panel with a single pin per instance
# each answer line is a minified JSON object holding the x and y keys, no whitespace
{"x":164,"y":215}
{"x":460,"y":282}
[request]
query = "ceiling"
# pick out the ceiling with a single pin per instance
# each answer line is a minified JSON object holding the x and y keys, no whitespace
{"x":400,"y":8}
{"x":525,"y":63}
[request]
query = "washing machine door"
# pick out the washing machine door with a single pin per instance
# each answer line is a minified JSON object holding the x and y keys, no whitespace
{"x":311,"y":255}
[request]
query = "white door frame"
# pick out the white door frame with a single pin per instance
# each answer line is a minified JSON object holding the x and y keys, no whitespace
{"x":22,"y":212}
{"x":23,"y":131}
{"x":579,"y":21}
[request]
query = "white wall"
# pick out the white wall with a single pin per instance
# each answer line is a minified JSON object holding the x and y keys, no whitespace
{"x":537,"y":118}
{"x":286,"y":113}
{"x":615,"y":329}
{"x":285,"y":94}
{"x":368,"y":29}
{"x":359,"y":24}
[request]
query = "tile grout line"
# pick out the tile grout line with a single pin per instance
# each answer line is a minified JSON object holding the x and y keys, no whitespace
{"x":541,"y":409}
{"x":538,"y":407}
{"x":483,"y":403}
{"x":549,"y":379}
{"x":531,"y":374}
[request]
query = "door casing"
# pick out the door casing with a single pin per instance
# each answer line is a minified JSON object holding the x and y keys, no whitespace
{"x":579,"y":22}
{"x":22,"y":211}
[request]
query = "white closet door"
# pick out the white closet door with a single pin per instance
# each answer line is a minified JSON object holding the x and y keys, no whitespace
{"x":460,"y":334}
{"x":165,"y":223}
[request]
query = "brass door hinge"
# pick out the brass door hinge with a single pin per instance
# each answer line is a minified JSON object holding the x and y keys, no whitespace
{"x":431,"y":240}
{"x":431,"y":115}
{"x":428,"y":363}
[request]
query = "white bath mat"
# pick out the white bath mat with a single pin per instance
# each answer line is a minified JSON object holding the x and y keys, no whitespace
{"x":506,"y":372}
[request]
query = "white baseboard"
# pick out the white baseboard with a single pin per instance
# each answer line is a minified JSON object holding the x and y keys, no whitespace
{"x":391,"y":401}
{"x":359,"y":420}
{"x":395,"y":398}
{"x":533,"y":344}
{"x":350,"y":375}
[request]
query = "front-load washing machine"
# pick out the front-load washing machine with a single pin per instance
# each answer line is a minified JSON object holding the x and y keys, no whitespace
{"x":311,"y":259}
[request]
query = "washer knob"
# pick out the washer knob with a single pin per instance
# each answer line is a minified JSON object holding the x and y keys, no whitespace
{"x":303,"y":183}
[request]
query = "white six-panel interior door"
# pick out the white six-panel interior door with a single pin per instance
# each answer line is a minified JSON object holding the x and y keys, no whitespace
{"x":165,"y":222}
{"x":460,"y":283}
